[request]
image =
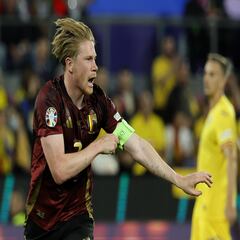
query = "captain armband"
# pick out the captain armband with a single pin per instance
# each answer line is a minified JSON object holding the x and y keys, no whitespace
{"x":123,"y":131}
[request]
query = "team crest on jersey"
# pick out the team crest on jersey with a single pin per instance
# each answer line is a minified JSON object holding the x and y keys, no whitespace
{"x":92,"y":122}
{"x":51,"y":117}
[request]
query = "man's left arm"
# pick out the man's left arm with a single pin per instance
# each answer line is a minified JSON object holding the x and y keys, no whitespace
{"x":143,"y":152}
{"x":230,"y":154}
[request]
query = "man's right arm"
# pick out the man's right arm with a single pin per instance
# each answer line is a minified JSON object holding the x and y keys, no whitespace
{"x":64,"y":166}
{"x":230,"y":154}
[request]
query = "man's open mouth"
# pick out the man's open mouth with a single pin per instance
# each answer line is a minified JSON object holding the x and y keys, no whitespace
{"x":91,"y":81}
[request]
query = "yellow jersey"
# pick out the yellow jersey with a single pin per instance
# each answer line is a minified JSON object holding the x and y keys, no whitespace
{"x":219,"y":129}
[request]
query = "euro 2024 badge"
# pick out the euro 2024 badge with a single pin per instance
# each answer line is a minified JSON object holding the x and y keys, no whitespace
{"x":51,"y":117}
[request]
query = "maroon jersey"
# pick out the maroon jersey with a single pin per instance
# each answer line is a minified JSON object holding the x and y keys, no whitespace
{"x":49,"y":203}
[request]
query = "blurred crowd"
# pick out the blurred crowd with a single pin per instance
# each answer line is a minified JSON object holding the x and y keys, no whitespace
{"x":169,"y":114}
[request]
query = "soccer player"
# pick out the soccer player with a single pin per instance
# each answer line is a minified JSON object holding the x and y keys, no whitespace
{"x":215,"y":210}
{"x":69,"y":112}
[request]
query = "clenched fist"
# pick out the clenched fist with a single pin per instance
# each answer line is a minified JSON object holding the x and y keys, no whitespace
{"x":108,"y":143}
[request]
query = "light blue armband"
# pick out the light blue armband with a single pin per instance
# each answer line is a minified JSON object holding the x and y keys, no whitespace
{"x":123,"y":131}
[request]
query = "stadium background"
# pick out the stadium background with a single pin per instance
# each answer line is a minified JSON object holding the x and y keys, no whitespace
{"x":129,"y":202}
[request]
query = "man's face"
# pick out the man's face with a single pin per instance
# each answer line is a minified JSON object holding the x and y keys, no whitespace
{"x":214,"y":79}
{"x":84,"y":68}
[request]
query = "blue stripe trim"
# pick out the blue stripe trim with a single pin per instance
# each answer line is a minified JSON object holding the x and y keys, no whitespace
{"x":182,"y":210}
{"x":122,"y":197}
{"x":6,"y":198}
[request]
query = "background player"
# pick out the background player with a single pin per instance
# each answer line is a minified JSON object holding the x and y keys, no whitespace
{"x":215,"y":210}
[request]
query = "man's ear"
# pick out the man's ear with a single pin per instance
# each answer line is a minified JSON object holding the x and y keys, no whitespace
{"x":69,"y":64}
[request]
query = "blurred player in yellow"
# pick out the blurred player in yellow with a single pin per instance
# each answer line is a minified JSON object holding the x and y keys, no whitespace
{"x":215,"y":210}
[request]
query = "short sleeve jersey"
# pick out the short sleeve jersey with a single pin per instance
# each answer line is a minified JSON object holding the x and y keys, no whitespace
{"x":219,"y":129}
{"x":55,"y":113}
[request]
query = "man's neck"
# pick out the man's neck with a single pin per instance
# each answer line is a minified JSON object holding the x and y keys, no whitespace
{"x":74,"y":93}
{"x":214,"y":99}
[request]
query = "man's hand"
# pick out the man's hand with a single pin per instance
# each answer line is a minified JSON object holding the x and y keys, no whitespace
{"x":108,"y":143}
{"x":188,"y":183}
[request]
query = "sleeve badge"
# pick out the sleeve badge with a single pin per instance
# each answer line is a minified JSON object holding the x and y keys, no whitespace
{"x":117,"y":116}
{"x":51,"y":117}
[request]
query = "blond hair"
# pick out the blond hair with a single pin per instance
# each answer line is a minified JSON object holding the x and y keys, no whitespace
{"x":224,"y":62}
{"x":68,"y":36}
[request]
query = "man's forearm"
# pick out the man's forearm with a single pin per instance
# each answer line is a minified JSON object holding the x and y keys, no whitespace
{"x":149,"y":158}
{"x":232,"y":180}
{"x":231,"y":158}
{"x":70,"y":164}
{"x":145,"y":154}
